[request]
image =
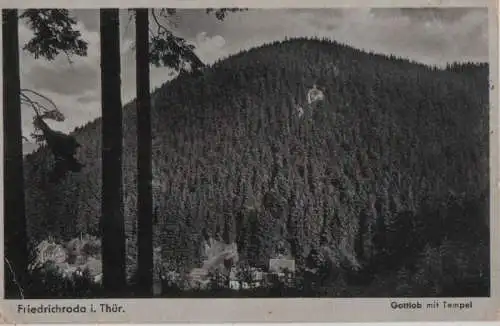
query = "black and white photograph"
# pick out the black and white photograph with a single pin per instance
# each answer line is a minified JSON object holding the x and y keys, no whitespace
{"x":245,"y":152}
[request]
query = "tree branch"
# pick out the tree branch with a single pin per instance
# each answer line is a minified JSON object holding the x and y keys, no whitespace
{"x":35,"y":105}
{"x":54,"y":33}
{"x":14,"y":278}
{"x":158,"y":24}
{"x":42,"y":96}
{"x":68,"y":56}
{"x":169,"y":50}
{"x":27,"y":100}
{"x":168,"y":12}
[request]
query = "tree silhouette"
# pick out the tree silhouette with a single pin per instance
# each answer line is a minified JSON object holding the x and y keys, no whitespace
{"x":15,"y":250}
{"x":54,"y":34}
{"x":112,"y":220}
{"x":63,"y":146}
{"x":144,"y":167}
{"x":169,"y":50}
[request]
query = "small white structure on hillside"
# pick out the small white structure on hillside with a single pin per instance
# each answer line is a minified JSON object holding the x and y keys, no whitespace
{"x":49,"y":251}
{"x":280,"y":265}
{"x":218,"y":254}
{"x":314,"y":95}
{"x":198,"y":278}
{"x":218,"y":257}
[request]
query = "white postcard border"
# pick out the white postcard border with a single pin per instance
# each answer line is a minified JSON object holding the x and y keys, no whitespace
{"x":283,"y":310}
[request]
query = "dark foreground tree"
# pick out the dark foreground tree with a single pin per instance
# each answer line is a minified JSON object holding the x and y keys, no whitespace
{"x":112,"y":221}
{"x":145,"y":176}
{"x":165,"y":49}
{"x":53,"y":34}
{"x":16,"y":251}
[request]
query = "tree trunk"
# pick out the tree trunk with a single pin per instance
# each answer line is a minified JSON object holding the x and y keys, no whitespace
{"x":16,"y":251}
{"x":112,"y":220}
{"x":144,"y":166}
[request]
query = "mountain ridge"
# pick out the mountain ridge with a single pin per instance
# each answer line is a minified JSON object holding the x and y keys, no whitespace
{"x":451,"y":67}
{"x":391,"y":139}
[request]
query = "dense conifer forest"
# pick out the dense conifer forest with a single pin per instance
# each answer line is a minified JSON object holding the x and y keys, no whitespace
{"x":389,"y":174}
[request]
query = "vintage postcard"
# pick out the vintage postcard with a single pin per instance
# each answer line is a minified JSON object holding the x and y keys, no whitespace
{"x":249,"y":161}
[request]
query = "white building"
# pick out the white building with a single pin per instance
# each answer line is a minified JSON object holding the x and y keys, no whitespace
{"x":280,"y":265}
{"x":315,"y":95}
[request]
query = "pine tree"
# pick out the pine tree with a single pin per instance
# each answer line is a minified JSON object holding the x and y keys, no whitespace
{"x":48,"y":26}
{"x":158,"y":52}
{"x":112,"y":220}
{"x":16,"y":251}
{"x":144,"y":166}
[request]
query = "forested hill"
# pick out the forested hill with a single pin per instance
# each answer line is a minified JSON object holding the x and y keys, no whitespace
{"x":396,"y":152}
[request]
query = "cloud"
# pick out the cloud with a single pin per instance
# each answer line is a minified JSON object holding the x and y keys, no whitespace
{"x":428,"y":36}
{"x":63,"y":82}
{"x":60,"y":75}
{"x":432,"y":36}
{"x":67,"y":80}
{"x":89,"y":98}
{"x":76,"y":113}
{"x":209,"y":49}
{"x":448,"y":15}
{"x":89,"y":18}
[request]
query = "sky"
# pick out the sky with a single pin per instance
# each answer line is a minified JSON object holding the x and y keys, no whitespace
{"x":431,"y":36}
